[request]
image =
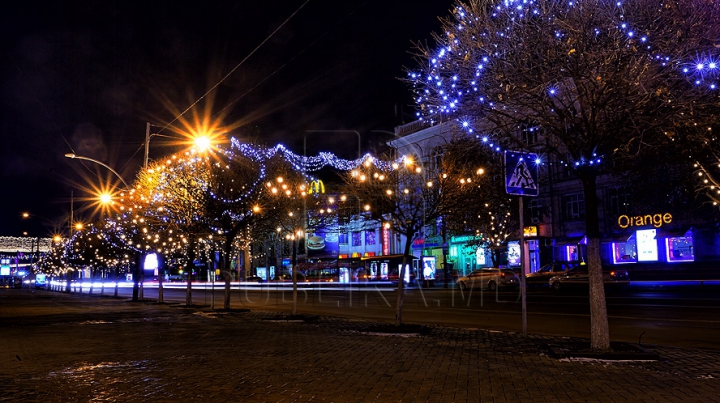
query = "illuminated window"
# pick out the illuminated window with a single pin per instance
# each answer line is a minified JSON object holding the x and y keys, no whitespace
{"x":679,"y":249}
{"x":571,"y":253}
{"x":624,"y":252}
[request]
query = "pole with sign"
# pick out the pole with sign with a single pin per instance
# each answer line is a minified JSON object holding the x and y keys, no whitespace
{"x":521,"y":179}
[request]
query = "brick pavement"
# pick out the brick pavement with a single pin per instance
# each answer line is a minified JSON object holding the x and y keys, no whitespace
{"x":62,"y":348}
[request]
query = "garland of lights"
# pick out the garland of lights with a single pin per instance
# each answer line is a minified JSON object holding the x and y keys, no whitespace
{"x":304,"y":164}
{"x":30,"y":244}
{"x":444,"y":80}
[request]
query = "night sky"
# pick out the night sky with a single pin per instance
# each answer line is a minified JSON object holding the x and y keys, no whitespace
{"x":84,"y":77}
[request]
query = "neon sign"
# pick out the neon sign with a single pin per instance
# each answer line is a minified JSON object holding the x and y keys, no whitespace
{"x":656,"y":220}
{"x":316,"y":186}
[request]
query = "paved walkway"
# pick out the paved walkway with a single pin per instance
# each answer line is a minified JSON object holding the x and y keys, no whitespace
{"x":57,"y":347}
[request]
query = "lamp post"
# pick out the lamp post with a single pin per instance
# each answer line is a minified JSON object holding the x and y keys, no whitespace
{"x":148,"y":136}
{"x":79,"y":157}
{"x":201,"y":142}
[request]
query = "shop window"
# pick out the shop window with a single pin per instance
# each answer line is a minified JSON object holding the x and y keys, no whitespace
{"x":571,"y":253}
{"x":624,"y":252}
{"x":343,"y":238}
{"x":574,"y":206}
{"x":679,"y":249}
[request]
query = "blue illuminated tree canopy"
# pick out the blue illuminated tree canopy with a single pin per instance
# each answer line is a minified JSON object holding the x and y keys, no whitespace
{"x":601,"y":80}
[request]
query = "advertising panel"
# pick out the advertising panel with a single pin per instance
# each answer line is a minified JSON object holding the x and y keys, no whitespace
{"x":150,"y":264}
{"x":647,"y":245}
{"x":428,"y":267}
{"x":322,"y":242}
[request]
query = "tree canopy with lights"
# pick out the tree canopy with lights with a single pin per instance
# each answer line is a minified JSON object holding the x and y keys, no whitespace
{"x":602,"y":80}
{"x":487,"y":213}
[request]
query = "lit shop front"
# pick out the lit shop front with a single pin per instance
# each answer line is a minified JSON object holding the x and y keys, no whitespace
{"x":649,"y":239}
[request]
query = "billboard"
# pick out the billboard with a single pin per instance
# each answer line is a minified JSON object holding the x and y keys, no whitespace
{"x":322,"y":242}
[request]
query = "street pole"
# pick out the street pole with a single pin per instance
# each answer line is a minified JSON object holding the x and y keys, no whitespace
{"x":523,"y":290}
{"x":70,"y":227}
{"x":147,"y":144}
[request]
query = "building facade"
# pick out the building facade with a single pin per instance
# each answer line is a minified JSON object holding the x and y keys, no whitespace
{"x":648,"y":227}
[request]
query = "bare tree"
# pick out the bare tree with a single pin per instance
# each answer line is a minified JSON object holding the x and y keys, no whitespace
{"x":487,"y":212}
{"x":283,"y":209}
{"x":234,"y":188}
{"x":406,"y":196}
{"x":605,"y":81}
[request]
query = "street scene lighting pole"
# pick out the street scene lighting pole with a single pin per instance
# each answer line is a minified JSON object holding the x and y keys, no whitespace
{"x":79,"y":157}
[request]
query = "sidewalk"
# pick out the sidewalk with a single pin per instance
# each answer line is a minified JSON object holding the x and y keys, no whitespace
{"x":56,"y":347}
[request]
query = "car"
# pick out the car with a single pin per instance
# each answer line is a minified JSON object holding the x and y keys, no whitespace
{"x":490,"y":278}
{"x":545,"y":273}
{"x":282,"y":278}
{"x":578,"y":277}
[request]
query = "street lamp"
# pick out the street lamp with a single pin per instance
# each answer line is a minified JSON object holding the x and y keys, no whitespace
{"x":73,"y":156}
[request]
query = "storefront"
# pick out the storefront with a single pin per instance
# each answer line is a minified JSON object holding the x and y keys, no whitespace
{"x":651,"y":245}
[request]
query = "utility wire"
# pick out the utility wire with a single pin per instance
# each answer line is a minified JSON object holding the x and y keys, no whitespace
{"x":238,"y":65}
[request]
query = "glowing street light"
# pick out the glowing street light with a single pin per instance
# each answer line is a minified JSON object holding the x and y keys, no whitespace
{"x":202,"y":143}
{"x":105,"y":198}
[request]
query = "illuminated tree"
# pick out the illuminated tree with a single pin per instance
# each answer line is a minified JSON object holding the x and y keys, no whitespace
{"x":235,"y":187}
{"x":603,"y":80}
{"x":97,"y":250}
{"x":282,"y":209}
{"x":53,"y":262}
{"x":487,"y":212}
{"x":406,"y":196}
{"x":166,"y":211}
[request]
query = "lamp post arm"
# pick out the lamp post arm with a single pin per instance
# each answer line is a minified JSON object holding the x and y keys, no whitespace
{"x":70,"y":155}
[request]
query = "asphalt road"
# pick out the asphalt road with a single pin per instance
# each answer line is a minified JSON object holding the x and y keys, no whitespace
{"x":683,"y":317}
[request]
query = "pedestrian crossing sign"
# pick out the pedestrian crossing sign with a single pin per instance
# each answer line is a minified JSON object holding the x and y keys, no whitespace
{"x":521,"y":173}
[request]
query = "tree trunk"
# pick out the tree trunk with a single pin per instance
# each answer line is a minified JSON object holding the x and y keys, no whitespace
{"x":227,"y":275}
{"x":188,"y":268}
{"x":294,"y":277}
{"x":401,"y":281}
{"x":599,"y":329}
{"x":161,"y":297}
{"x":117,"y":281}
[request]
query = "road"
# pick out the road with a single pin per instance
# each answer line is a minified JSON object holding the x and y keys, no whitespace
{"x":679,"y":316}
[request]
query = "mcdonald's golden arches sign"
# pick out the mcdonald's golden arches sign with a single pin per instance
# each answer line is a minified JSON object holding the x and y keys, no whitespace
{"x":316,"y":186}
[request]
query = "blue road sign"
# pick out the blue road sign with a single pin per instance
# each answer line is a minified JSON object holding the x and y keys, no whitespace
{"x":521,"y":173}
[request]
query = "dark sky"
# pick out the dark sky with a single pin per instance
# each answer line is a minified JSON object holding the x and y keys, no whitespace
{"x":85,"y":77}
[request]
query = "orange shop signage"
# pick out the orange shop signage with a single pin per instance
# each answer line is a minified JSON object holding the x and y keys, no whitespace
{"x":656,"y":220}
